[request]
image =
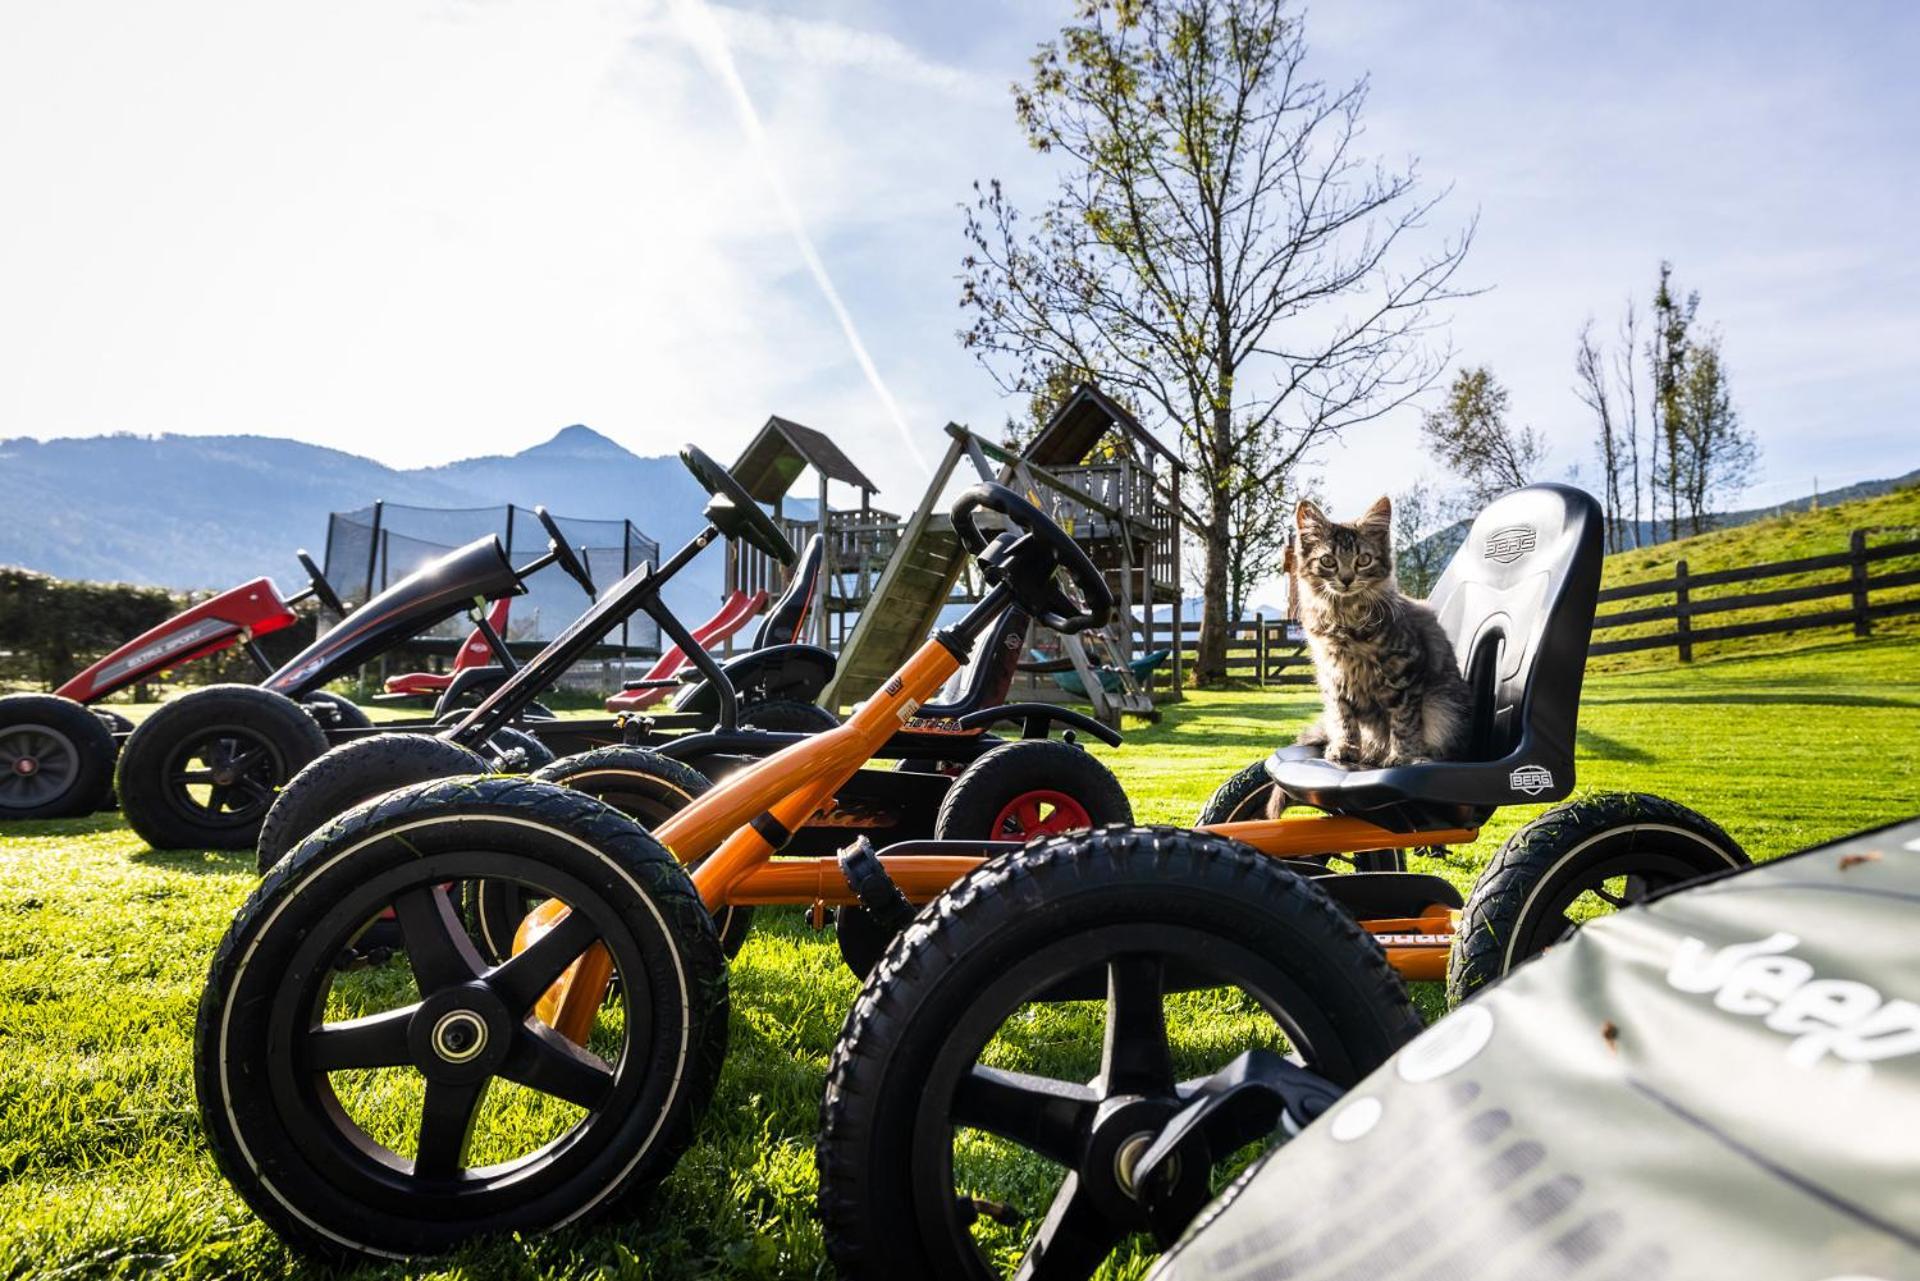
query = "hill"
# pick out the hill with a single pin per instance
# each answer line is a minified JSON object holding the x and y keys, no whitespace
{"x":1895,"y":514}
{"x":205,"y":511}
{"x":1649,"y":534}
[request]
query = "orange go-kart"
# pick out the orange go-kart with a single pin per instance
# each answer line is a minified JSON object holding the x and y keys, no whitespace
{"x":355,"y":1107}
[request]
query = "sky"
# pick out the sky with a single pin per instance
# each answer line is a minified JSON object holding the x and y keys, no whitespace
{"x":428,"y":229}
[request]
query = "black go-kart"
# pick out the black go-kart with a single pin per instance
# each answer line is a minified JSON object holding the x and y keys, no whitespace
{"x":202,"y":771}
{"x":946,"y":773}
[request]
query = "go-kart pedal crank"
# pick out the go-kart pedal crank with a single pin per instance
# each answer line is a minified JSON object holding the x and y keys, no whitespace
{"x":1244,"y":1101}
{"x":874,"y":888}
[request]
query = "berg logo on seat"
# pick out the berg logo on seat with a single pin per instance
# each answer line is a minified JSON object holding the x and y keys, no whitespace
{"x":1531,"y":779}
{"x":1510,"y":544}
{"x":1847,"y":1020}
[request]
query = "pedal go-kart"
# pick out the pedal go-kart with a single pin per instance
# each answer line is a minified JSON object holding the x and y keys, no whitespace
{"x":1134,"y":1007}
{"x":57,"y":750}
{"x":304,"y":1067}
{"x":203,"y":769}
{"x":953,"y":775}
{"x":1687,"y":1090}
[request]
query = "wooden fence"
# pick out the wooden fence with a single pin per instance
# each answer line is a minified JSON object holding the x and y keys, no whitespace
{"x":1857,"y":587}
{"x":1259,"y":649}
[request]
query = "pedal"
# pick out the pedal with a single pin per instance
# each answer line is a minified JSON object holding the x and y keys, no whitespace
{"x":868,"y":880}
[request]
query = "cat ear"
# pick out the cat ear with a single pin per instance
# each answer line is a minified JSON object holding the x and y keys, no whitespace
{"x":1379,"y":517}
{"x":1309,"y":519}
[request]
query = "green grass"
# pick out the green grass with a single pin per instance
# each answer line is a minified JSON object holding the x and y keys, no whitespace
{"x":104,"y":944}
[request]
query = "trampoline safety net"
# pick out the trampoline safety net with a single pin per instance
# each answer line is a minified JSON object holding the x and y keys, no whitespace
{"x":373,"y":547}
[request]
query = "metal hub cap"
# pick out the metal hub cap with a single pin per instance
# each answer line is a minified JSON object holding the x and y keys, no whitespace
{"x":459,"y":1036}
{"x":1132,"y":1148}
{"x":26,"y":765}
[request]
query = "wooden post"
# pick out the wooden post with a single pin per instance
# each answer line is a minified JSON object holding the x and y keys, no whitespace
{"x":1682,"y":613}
{"x":1260,"y":647}
{"x":1857,"y":546}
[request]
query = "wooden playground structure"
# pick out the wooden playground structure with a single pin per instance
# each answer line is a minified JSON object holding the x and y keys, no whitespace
{"x":1093,"y":468}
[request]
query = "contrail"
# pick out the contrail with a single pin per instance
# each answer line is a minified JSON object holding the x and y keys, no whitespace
{"x":698,"y":23}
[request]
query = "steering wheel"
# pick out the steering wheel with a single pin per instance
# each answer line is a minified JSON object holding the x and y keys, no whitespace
{"x":733,"y":511}
{"x":563,"y":554}
{"x":322,"y":589}
{"x":1026,"y":560}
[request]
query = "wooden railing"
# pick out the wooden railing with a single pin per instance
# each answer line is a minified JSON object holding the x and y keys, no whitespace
{"x":1269,"y":651}
{"x":1693,"y":599}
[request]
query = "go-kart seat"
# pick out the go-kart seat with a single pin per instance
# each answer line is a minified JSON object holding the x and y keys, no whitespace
{"x":1517,"y":602}
{"x":787,"y":620}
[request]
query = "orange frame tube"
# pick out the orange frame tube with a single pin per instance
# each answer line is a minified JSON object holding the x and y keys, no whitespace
{"x":733,"y":859}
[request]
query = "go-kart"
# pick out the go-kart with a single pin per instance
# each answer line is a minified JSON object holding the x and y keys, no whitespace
{"x":299,"y":1044}
{"x":953,"y":774}
{"x":203,"y":769}
{"x":938,"y":1087}
{"x":1686,"y":1090}
{"x":56,"y":755}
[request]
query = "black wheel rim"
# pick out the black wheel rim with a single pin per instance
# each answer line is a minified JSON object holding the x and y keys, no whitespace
{"x":224,"y":777}
{"x":1090,"y":1127}
{"x":38,"y":765}
{"x":390,"y":1079}
{"x":1593,"y":888}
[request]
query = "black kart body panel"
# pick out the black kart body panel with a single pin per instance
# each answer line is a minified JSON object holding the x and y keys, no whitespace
{"x":435,"y":592}
{"x":795,"y":672}
{"x":1721,"y":1082}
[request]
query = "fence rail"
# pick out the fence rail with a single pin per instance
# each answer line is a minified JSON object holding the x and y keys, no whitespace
{"x":1258,"y":649}
{"x":1858,"y":587}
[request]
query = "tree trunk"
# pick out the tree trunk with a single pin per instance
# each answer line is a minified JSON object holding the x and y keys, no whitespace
{"x":1210,"y":668}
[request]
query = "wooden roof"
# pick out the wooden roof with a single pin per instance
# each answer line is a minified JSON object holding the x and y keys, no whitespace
{"x":775,"y":458}
{"x":1079,"y":423}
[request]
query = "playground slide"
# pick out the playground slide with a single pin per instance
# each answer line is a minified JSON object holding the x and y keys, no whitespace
{"x":731,"y":617}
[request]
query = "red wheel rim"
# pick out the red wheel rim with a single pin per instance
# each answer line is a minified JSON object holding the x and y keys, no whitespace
{"x":1040,"y":813}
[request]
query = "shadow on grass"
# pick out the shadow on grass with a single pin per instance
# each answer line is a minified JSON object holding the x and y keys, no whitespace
{"x":91,"y":825}
{"x":199,"y":862}
{"x":1806,"y":698}
{"x":1612,"y":749}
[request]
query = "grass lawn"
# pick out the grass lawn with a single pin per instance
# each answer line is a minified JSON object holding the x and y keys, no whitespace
{"x":104,"y":944}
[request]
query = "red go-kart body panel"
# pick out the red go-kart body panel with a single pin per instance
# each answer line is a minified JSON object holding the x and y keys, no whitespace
{"x":474,"y":652}
{"x":251,"y":610}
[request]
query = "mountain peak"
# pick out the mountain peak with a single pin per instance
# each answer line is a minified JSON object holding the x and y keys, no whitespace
{"x":581,"y":439}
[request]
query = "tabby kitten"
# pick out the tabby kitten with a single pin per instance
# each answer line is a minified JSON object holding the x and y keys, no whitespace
{"x":1391,"y":685}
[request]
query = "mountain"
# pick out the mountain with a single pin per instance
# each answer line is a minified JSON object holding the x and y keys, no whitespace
{"x":207,"y":511}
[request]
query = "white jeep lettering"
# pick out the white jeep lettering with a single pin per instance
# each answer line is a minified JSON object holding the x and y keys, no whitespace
{"x":1827,"y":1018}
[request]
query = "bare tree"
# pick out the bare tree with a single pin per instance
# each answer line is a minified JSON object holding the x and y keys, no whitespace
{"x":1418,"y":557}
{"x":1630,"y":398}
{"x":1471,"y":435}
{"x":1667,"y":358}
{"x":1590,"y":371}
{"x":1217,"y":246}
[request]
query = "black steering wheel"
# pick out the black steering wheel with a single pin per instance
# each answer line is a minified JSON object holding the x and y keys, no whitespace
{"x":317,"y":581}
{"x":563,"y":554}
{"x":732,"y":510}
{"x":1025,"y":558}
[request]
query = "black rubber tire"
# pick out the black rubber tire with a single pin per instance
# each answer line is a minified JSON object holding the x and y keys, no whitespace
{"x":1241,"y":799}
{"x":648,"y":788}
{"x":787,"y":716}
{"x":1245,"y":798}
{"x":160,"y":810}
{"x":61,"y":737}
{"x":1516,"y":910}
{"x":514,"y":751}
{"x":259,"y":1112}
{"x":973,"y":805}
{"x":333,"y":711}
{"x":356,"y":771}
{"x":1117,"y":883}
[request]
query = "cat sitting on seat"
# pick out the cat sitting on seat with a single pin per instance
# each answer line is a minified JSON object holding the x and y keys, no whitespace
{"x":1390,"y":682}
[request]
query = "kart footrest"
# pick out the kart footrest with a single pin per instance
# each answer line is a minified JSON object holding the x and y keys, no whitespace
{"x":868,"y":880}
{"x":1368,"y":896}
